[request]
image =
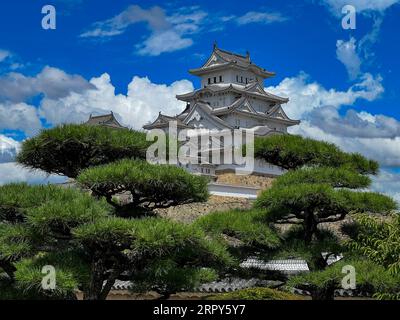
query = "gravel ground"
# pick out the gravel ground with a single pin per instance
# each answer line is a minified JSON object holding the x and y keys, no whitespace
{"x":187,"y":213}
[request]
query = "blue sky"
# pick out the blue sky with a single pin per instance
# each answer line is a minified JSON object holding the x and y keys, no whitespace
{"x":132,"y":57}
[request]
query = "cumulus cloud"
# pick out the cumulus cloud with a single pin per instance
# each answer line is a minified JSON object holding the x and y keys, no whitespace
{"x":354,"y":124}
{"x":306,"y":95}
{"x":8,"y":149}
{"x":167,"y":32}
{"x":387,"y":182}
{"x":19,"y":116}
{"x":11,"y":172}
{"x":71,"y":98}
{"x":346,"y":52}
{"x":260,"y":17}
{"x":16,"y":89}
{"x":52,"y":82}
{"x":384,"y":150}
{"x":375,"y":136}
{"x":140,"y":105}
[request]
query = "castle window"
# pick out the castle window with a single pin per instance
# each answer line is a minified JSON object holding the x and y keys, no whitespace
{"x":220,"y":78}
{"x":246,"y":80}
{"x":237,"y":78}
{"x":241,"y":79}
{"x":209,"y":80}
{"x":215,"y":79}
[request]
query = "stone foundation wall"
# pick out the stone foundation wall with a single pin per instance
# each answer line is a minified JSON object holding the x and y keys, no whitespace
{"x":242,"y":180}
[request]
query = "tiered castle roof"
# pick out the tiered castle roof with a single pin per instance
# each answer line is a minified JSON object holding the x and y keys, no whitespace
{"x":221,"y":59}
{"x":199,"y":111}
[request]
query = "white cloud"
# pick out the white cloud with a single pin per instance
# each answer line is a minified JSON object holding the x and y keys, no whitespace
{"x":375,"y":136}
{"x":346,"y":52}
{"x":260,"y":17}
{"x":368,"y":40}
{"x":336,"y":6}
{"x":167,"y":33}
{"x":154,"y":17}
{"x":141,"y":104}
{"x":19,"y":116}
{"x":172,"y":31}
{"x":387,"y":182}
{"x":384,"y":150}
{"x":71,"y":98}
{"x":352,"y":53}
{"x":16,"y":88}
{"x":160,"y":42}
{"x":374,"y":9}
{"x":4,"y":54}
{"x":11,"y":172}
{"x":8,"y":149}
{"x":354,"y":124}
{"x":305,"y":95}
{"x":52,"y":82}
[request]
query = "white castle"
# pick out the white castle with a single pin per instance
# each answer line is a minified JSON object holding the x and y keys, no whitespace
{"x":232,"y":96}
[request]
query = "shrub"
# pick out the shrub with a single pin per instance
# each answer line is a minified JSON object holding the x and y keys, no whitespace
{"x":378,"y":240}
{"x":370,"y":278}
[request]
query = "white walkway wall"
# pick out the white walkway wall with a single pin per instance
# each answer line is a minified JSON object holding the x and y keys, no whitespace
{"x":226,"y":190}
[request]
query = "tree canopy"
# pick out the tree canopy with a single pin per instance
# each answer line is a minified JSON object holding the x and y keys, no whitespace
{"x":310,"y":196}
{"x":69,"y":148}
{"x":150,"y":186}
{"x":96,"y":233}
{"x":243,"y":225}
{"x":106,"y":228}
{"x":293,"y":152}
{"x":89,"y":247}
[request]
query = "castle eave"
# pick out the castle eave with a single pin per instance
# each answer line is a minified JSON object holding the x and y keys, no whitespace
{"x":230,"y":87}
{"x":257,"y":70}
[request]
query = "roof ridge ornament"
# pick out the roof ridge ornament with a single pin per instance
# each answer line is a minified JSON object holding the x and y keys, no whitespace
{"x":215,"y":46}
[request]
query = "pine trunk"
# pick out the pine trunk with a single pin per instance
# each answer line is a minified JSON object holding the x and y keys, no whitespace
{"x":310,"y":227}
